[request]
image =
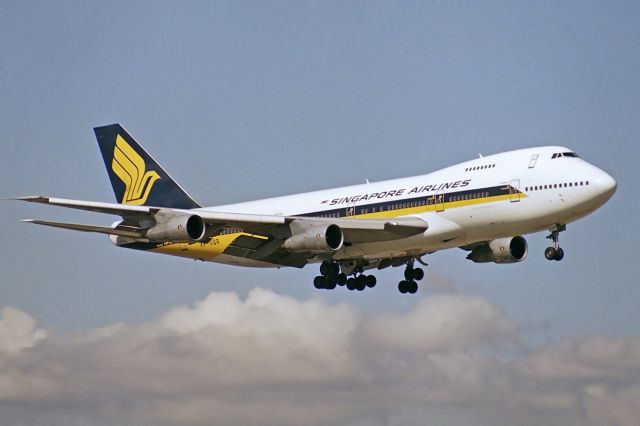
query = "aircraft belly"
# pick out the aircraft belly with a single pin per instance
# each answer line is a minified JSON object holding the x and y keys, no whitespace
{"x":241,"y":261}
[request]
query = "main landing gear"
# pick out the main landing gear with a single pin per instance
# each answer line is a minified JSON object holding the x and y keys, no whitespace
{"x":555,"y":252}
{"x":330,"y":277}
{"x":411,"y":275}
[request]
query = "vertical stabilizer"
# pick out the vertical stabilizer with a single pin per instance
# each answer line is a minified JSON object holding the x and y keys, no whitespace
{"x":135,"y":176}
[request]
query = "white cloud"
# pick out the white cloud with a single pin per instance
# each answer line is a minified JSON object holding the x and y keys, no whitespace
{"x":18,"y":331}
{"x":443,"y":323}
{"x":272,"y":359}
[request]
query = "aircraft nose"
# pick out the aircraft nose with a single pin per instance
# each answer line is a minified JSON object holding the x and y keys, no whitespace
{"x":606,"y":184}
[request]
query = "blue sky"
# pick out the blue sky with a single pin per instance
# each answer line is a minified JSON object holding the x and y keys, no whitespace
{"x":245,"y":100}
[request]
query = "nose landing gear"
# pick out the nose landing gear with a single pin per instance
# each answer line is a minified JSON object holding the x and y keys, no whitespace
{"x":555,"y":252}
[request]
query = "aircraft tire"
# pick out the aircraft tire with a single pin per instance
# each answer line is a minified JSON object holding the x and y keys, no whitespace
{"x":413,"y":287}
{"x":371,"y":281}
{"x":330,"y":282}
{"x":325,"y":268}
{"x":361,"y":282}
{"x":559,"y":254}
{"x":418,"y":274}
{"x":318,"y":282}
{"x":550,"y":253}
{"x":402,"y":286}
{"x":334,"y":268}
{"x":342,"y":279}
{"x":351,"y":283}
{"x":408,"y":273}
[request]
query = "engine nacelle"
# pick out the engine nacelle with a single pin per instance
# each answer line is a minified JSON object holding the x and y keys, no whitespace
{"x":502,"y":250}
{"x":176,"y":228}
{"x":313,"y":237}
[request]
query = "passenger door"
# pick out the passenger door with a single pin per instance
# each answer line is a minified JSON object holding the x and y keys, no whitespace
{"x":514,"y":190}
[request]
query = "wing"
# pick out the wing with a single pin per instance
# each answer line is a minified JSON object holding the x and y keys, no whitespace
{"x":269,"y":231}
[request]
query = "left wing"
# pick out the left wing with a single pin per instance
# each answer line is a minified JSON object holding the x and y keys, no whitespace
{"x":139,"y":219}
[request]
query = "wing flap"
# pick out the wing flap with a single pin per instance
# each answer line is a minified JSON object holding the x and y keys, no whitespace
{"x":269,"y":251}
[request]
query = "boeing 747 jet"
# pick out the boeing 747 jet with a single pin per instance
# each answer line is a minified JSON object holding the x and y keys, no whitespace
{"x":482,"y":206}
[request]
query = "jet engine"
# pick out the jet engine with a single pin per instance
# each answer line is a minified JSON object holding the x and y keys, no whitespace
{"x":307,"y":236}
{"x":502,"y":250}
{"x":176,"y":228}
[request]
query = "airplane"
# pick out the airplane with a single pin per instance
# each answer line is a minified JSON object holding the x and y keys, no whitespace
{"x":482,"y":206}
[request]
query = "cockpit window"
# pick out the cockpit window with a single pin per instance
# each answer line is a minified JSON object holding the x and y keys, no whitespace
{"x":565,"y":154}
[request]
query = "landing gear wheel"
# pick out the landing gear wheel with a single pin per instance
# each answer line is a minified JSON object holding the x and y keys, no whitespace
{"x":335,"y":269}
{"x":361,"y":282}
{"x":371,"y":281}
{"x":342,"y":279}
{"x":550,"y":253}
{"x":408,"y":273}
{"x":418,"y":274}
{"x":318,"y":282}
{"x":330,"y":282}
{"x":408,"y":286}
{"x":559,"y":254}
{"x":325,"y":268}
{"x":413,"y":274}
{"x":351,"y":283}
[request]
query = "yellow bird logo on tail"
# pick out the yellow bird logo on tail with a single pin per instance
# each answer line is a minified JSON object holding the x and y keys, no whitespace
{"x":131,"y":169}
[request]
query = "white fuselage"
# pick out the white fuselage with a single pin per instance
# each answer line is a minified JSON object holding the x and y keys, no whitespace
{"x":516,"y":192}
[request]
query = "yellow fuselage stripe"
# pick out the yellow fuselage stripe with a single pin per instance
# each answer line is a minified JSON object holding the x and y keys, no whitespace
{"x":218,"y":244}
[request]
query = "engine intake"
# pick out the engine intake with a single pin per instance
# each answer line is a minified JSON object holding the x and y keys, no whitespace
{"x":502,"y":250}
{"x":313,"y":237}
{"x":182,"y":228}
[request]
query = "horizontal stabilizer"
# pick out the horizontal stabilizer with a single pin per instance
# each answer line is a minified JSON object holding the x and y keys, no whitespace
{"x":89,"y":228}
{"x":93,"y":206}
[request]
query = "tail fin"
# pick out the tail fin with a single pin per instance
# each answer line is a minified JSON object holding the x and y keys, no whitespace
{"x":135,"y":176}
